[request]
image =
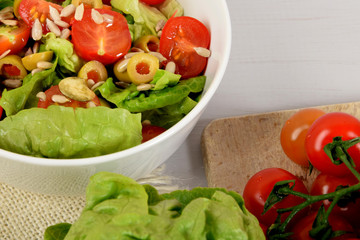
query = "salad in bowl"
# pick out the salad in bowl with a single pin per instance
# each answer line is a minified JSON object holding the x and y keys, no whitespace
{"x":89,"y":85}
{"x":81,"y":79}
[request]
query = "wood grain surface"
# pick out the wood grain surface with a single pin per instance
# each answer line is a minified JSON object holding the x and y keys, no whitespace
{"x":235,"y":148}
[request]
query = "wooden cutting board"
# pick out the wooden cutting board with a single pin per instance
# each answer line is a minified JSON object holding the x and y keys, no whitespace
{"x":235,"y":148}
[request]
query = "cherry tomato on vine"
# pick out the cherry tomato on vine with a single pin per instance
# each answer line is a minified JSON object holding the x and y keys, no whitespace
{"x":152,"y":2}
{"x":303,"y":226}
{"x":293,"y":133}
{"x":258,"y":188}
{"x":322,"y":132}
{"x":103,"y":42}
{"x":325,"y":183}
{"x":54,"y":90}
{"x":151,"y":131}
{"x":179,"y":37}
{"x":14,"y":38}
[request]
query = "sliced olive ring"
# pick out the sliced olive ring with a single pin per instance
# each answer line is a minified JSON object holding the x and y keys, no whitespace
{"x":16,"y":68}
{"x":94,"y":70}
{"x":142,"y":68}
{"x":148,"y":43}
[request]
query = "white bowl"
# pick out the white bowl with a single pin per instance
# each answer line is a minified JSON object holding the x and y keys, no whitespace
{"x":70,"y":177}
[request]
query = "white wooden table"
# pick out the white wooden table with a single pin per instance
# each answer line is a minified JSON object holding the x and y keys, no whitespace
{"x":285,"y":54}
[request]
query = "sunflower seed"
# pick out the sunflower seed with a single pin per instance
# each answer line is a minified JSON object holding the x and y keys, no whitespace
{"x":122,"y":84}
{"x":44,"y":65}
{"x":41,"y":96}
{"x":146,"y":122}
{"x":130,"y":54}
{"x":36,"y":70}
{"x":65,"y":33}
{"x":59,"y":99}
{"x":98,"y":84}
{"x":36,"y":31}
{"x":204,"y":52}
{"x":4,"y":54}
{"x":159,"y":56}
{"x":170,"y":66}
{"x":53,"y":27}
{"x":54,"y":14}
{"x":90,"y":104}
{"x":79,"y":12}
{"x":35,"y":48}
{"x":68,"y":10}
{"x":160,"y":25}
{"x":61,"y":23}
{"x":144,"y":87}
{"x":135,"y":49}
{"x":12,"y":83}
{"x":108,"y":17}
{"x":96,"y":17}
{"x":6,"y":16}
{"x":90,"y":83}
{"x":7,"y":9}
{"x":28,"y":52}
{"x":159,"y":34}
{"x":9,"y":22}
{"x":122,"y":65}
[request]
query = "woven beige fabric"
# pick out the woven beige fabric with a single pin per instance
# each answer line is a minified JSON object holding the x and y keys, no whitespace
{"x":25,"y":215}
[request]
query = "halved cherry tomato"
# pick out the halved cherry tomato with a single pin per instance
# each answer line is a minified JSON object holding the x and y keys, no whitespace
{"x":303,"y":226}
{"x":151,"y":131}
{"x":106,"y":42}
{"x":14,"y":38}
{"x":152,"y":2}
{"x":293,"y":133}
{"x":325,"y":183}
{"x":322,"y":132}
{"x":29,"y":10}
{"x":179,"y":37}
{"x":54,"y":90}
{"x":258,"y":188}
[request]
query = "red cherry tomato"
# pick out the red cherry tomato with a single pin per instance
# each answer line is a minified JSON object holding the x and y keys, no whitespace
{"x":151,"y":131}
{"x":325,"y":183}
{"x":152,"y":2}
{"x":104,"y":42}
{"x":303,"y":226}
{"x":15,"y":38}
{"x":54,"y":90}
{"x":29,"y":10}
{"x":322,"y":132}
{"x":293,"y":134}
{"x":258,"y":188}
{"x":179,"y":37}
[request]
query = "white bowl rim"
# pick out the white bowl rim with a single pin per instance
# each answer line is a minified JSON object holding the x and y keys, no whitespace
{"x":82,"y":162}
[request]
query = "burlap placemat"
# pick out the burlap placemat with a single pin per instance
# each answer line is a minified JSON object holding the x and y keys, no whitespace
{"x":26,"y":215}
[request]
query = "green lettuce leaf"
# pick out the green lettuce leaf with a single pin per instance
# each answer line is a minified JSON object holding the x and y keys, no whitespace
{"x":118,"y":207}
{"x":62,"y":132}
{"x":57,"y":232}
{"x":25,"y":96}
{"x":136,"y":101}
{"x":68,"y":60}
{"x":163,"y":79}
{"x":145,"y":17}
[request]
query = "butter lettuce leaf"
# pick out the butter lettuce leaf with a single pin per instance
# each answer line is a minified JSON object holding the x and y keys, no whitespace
{"x":68,"y":59}
{"x":62,"y":132}
{"x":117,"y":207}
{"x":136,"y":101}
{"x":170,"y":8}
